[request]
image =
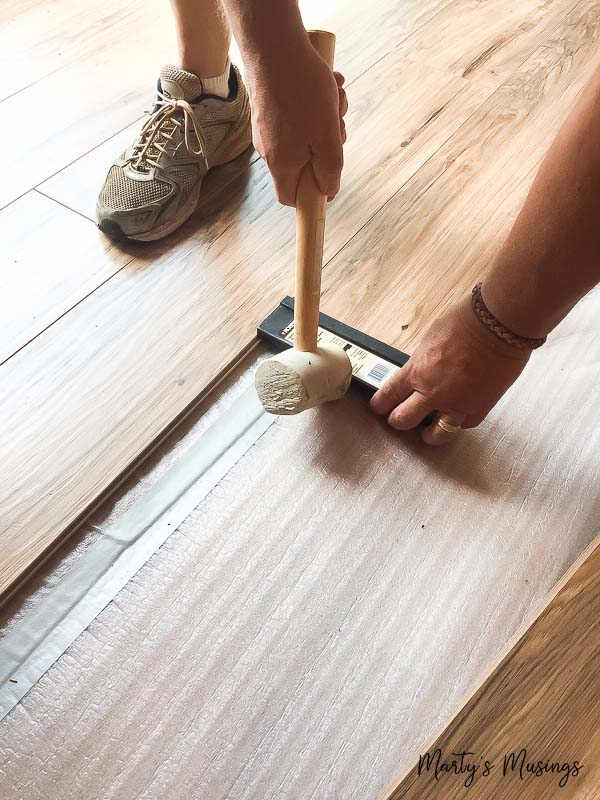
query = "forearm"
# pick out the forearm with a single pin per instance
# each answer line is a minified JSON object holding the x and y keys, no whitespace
{"x":552,"y":255}
{"x":265,"y":30}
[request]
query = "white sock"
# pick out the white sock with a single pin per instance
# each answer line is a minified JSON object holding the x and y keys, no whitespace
{"x":219,"y":85}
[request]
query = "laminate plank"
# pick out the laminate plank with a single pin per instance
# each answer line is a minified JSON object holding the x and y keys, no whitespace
{"x":153,"y":338}
{"x":325,"y":609}
{"x":42,"y":36}
{"x":41,"y":278}
{"x":367,"y":32}
{"x":83,"y":104}
{"x":439,"y":233}
{"x":541,"y":703}
{"x":487,"y":41}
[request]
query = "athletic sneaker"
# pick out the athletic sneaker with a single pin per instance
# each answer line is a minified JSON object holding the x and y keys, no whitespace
{"x":154,"y":186}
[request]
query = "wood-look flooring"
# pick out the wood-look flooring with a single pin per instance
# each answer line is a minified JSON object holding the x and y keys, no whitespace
{"x":103,"y":347}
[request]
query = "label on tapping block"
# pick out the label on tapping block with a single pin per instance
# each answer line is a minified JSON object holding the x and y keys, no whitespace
{"x":371,"y":369}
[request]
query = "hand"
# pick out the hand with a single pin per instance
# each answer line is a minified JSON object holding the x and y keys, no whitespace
{"x":297,"y":116}
{"x":459,"y":369}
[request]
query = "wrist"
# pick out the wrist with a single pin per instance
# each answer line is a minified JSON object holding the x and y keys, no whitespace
{"x":483,"y":338}
{"x":270,"y":36}
{"x":497,"y":327}
{"x":519,"y":303}
{"x":275,"y":66}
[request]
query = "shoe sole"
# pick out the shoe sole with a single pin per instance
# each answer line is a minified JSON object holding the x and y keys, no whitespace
{"x":114,"y":231}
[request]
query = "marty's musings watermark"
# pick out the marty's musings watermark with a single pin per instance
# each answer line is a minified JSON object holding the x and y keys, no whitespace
{"x":518,"y":764}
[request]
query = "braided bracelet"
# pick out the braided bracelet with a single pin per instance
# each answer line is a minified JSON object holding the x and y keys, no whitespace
{"x":497,"y":328}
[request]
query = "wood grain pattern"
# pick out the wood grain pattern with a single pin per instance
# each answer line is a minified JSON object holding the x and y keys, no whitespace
{"x":40,"y":37}
{"x":543,"y":698}
{"x":325,"y":609}
{"x":41,"y":277}
{"x":486,"y":41}
{"x":366,"y":33}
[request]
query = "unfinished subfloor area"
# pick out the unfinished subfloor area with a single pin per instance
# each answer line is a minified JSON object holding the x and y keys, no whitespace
{"x":201,"y":602}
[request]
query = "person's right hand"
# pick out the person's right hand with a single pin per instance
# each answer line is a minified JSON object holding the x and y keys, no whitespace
{"x":297,"y":118}
{"x":459,"y":369}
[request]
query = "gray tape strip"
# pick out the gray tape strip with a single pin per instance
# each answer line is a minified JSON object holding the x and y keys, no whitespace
{"x":43,"y":634}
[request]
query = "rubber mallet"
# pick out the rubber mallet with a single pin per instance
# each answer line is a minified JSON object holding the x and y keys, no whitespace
{"x":306,"y":375}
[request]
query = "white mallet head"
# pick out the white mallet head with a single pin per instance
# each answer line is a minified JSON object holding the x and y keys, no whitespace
{"x":294,"y":381}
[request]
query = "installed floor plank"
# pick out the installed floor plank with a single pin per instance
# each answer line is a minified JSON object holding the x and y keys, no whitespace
{"x":487,"y":41}
{"x":541,"y":703}
{"x":52,"y":259}
{"x":366,"y":33}
{"x":39,"y":37}
{"x":322,"y":612}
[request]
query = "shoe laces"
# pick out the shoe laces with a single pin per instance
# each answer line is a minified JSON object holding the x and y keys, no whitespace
{"x":157,"y":134}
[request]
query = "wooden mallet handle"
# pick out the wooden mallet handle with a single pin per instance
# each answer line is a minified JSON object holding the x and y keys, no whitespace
{"x":310,"y":231}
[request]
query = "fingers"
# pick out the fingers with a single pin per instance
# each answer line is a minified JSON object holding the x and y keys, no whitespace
{"x":343,"y":103}
{"x":343,"y":106}
{"x":343,"y":100}
{"x":407,"y":408}
{"x":327,"y":162}
{"x":328,"y":156}
{"x":342,"y":123}
{"x":285,"y":177}
{"x":473,"y":420}
{"x":410,"y":413}
{"x":339,"y":78}
{"x":435,"y":435}
{"x":393,"y":392}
